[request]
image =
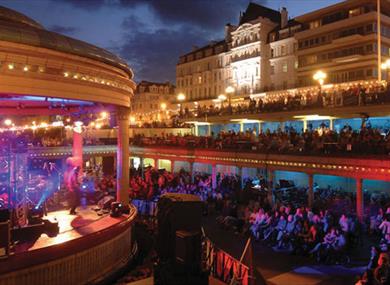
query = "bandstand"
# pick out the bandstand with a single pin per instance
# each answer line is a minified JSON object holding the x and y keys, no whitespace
{"x":45,"y":74}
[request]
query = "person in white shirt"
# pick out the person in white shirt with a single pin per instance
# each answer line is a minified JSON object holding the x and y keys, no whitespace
{"x":385,"y":229}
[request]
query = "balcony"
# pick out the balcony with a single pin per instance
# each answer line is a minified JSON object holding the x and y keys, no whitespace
{"x":244,"y":56}
{"x":338,"y":99}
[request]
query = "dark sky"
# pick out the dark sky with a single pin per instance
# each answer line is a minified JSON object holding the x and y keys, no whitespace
{"x":149,"y":34}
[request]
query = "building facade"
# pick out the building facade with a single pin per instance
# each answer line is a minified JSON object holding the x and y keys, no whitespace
{"x":153,"y":102}
{"x":267,"y":51}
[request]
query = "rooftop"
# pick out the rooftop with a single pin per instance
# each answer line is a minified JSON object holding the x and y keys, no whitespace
{"x":18,"y":28}
{"x":253,"y":11}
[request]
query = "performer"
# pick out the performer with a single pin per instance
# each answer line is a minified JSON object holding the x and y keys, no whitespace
{"x":71,"y":178}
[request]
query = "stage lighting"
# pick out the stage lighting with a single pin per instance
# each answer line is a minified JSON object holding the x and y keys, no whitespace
{"x":35,"y":215}
{"x":116,"y":209}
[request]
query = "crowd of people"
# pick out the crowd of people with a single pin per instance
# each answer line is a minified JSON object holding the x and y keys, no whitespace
{"x":352,"y":95}
{"x":328,"y":231}
{"x":312,"y":141}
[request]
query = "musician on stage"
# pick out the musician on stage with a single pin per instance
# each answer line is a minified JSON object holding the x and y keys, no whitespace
{"x":71,"y":178}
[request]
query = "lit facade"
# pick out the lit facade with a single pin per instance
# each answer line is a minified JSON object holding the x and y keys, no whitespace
{"x":342,"y":40}
{"x":153,"y":102}
{"x":267,"y":51}
{"x":203,"y":74}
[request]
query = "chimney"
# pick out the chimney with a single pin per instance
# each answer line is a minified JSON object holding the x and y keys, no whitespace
{"x":283,"y":18}
{"x":228,"y":30}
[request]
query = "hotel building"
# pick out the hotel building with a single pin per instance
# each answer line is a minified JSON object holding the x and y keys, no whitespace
{"x":267,"y":51}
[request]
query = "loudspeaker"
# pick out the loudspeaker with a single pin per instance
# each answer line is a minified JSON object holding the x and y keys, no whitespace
{"x":188,"y":249}
{"x":5,"y":239}
{"x":108,"y":165}
{"x":176,"y":212}
{"x":5,"y":215}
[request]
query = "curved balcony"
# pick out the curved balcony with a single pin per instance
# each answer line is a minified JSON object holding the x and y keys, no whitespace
{"x":246,"y":155}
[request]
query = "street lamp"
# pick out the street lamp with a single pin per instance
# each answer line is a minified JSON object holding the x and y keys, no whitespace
{"x":320,"y":77}
{"x":221,"y":98}
{"x":229,"y":91}
{"x":181,"y":97}
{"x":163,"y":106}
{"x":386,"y":66}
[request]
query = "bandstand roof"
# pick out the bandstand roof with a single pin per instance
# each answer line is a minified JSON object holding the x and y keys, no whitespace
{"x":18,"y":28}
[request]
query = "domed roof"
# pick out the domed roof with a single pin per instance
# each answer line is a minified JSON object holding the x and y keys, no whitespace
{"x":11,"y":15}
{"x":18,"y":28}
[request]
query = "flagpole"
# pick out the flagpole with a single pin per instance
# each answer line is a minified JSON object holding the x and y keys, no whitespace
{"x":379,"y":43}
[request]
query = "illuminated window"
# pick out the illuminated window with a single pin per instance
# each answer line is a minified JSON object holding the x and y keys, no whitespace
{"x":199,"y":79}
{"x":283,"y":50}
{"x":315,"y":24}
{"x":284,"y":67}
{"x":355,"y":12}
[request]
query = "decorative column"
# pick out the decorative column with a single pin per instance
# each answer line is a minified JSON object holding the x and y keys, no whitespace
{"x":331,"y":124}
{"x":241,"y":174}
{"x":359,"y":200}
{"x":310,"y":191}
{"x":173,"y":166}
{"x":241,"y":127}
{"x":304,"y":125}
{"x":270,"y":194}
{"x":141,"y":164}
{"x":209,"y":130}
{"x":196,"y":132}
{"x":77,"y":148}
{"x":191,"y":171}
{"x":122,"y":169}
{"x":214,"y":176}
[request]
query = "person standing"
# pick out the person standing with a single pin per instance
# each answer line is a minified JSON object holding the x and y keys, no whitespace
{"x":71,"y":178}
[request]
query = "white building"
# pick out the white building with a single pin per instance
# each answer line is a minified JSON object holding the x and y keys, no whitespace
{"x":153,"y":102}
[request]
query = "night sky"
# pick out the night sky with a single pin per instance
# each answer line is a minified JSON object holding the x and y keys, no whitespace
{"x":149,"y":34}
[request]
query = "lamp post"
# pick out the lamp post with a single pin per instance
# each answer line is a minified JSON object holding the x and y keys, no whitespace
{"x":163,"y":107}
{"x":386,"y":66}
{"x":229,"y":91}
{"x":222,"y":98}
{"x":320,"y":77}
{"x":181,"y":97}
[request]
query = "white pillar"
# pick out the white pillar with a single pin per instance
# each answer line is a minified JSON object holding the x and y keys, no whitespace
{"x":359,"y":200}
{"x":209,"y":130}
{"x":331,"y":124}
{"x":241,"y":127}
{"x":241,"y":173}
{"x":310,"y":191}
{"x":172,"y":166}
{"x":270,"y":180}
{"x":77,"y":148}
{"x":304,"y":125}
{"x":122,"y":170}
{"x":191,"y":170}
{"x":214,"y":176}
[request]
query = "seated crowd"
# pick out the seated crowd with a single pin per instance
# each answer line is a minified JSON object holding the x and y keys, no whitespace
{"x":319,"y":141}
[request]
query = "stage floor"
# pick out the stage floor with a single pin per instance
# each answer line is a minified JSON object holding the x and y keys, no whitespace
{"x":85,"y":222}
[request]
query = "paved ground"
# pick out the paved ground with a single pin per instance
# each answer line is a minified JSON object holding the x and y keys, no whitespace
{"x":279,"y":268}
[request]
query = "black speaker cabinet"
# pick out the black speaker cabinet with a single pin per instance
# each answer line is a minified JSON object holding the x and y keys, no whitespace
{"x":5,"y":239}
{"x":176,"y":212}
{"x":5,"y":215}
{"x":188,"y":249}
